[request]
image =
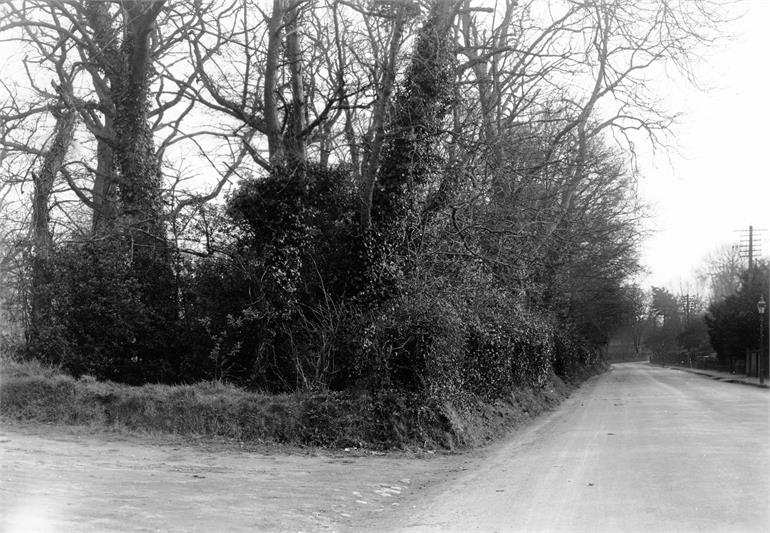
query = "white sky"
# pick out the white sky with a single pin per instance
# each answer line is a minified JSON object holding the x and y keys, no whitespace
{"x":719,"y":181}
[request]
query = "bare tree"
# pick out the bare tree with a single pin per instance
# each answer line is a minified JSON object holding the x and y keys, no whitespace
{"x":101,"y":59}
{"x":721,"y":271}
{"x":542,"y":88}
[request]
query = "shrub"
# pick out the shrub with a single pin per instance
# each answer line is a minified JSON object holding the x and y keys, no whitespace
{"x":104,"y":319}
{"x":440,"y":338}
{"x":417,"y":345}
{"x":302,"y":225}
{"x":268,"y":313}
{"x":571,"y":353}
{"x":508,"y":346}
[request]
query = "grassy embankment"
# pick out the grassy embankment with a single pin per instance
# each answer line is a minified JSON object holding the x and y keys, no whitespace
{"x":33,"y":392}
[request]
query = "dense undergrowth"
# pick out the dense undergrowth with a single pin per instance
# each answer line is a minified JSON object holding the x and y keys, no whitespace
{"x":32,"y":392}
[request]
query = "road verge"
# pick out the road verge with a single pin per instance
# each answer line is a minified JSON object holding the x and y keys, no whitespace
{"x":33,"y":392}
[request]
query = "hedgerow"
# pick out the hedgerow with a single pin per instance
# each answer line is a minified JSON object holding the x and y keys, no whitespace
{"x":388,"y":419}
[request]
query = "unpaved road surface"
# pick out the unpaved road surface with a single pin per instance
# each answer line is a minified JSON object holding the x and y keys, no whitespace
{"x":638,"y":449}
{"x":642,"y":449}
{"x":75,"y":480}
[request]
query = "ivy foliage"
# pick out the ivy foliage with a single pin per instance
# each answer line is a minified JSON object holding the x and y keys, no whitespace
{"x":259,"y":309}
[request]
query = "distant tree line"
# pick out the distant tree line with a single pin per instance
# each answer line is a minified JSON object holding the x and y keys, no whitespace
{"x":432,"y":197}
{"x":676,"y":330}
{"x":725,"y":321}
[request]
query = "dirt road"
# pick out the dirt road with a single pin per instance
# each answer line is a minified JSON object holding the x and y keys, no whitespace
{"x":60,"y":479}
{"x":638,"y":449}
{"x":641,"y":449}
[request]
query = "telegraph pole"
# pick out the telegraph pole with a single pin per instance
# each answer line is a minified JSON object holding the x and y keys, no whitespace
{"x":750,"y":245}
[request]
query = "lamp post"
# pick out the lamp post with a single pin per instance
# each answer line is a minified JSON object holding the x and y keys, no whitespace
{"x":761,"y":306}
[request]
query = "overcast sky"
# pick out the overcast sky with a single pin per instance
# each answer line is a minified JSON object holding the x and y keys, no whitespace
{"x":720,"y":180}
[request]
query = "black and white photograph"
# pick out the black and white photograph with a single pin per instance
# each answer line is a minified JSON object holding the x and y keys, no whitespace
{"x":397,"y":266}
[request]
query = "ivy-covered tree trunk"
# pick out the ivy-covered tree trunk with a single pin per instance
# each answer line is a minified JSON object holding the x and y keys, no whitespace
{"x":410,"y":159}
{"x":409,"y":156}
{"x":139,"y":180}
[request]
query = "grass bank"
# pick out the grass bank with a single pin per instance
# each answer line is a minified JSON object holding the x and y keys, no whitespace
{"x":33,"y":392}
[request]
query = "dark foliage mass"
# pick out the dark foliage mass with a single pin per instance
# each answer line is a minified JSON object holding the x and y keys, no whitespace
{"x":104,"y":319}
{"x":733,"y":321}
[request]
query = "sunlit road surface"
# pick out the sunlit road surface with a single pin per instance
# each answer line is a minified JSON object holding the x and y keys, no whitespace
{"x":642,"y":448}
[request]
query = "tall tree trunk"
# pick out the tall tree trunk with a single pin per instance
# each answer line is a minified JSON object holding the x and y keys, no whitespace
{"x":103,"y":192}
{"x":402,"y":157}
{"x":376,"y":137}
{"x":484,"y":85}
{"x":275,"y":145}
{"x":296,"y":148}
{"x":420,"y":108}
{"x":105,"y":55}
{"x":139,"y":179}
{"x":43,"y":182}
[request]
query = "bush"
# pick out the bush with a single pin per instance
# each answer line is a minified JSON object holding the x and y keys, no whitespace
{"x":506,"y":351}
{"x":299,"y":299}
{"x":417,"y":344}
{"x":302,"y":226}
{"x":508,"y":346}
{"x":442,"y":339}
{"x":269,"y":313}
{"x":104,"y":319}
